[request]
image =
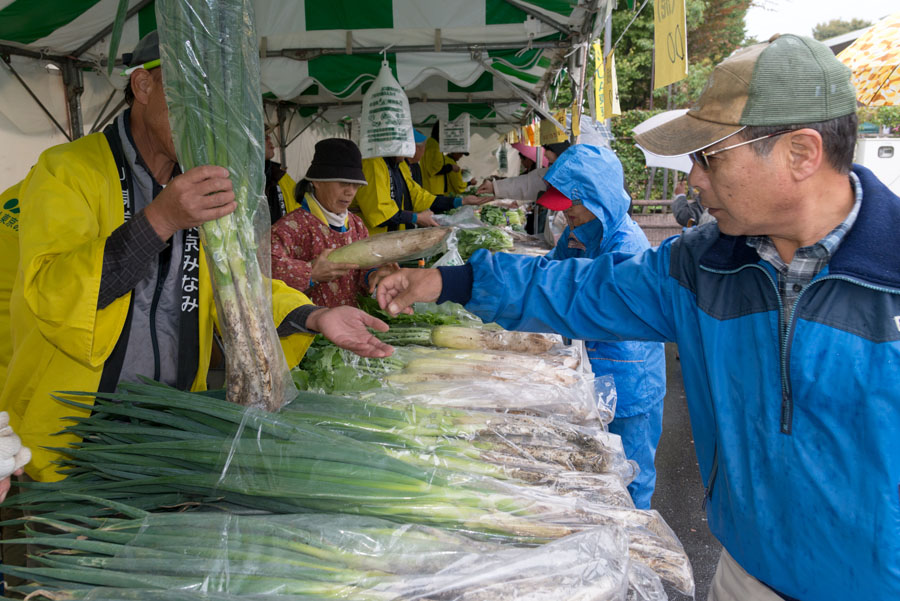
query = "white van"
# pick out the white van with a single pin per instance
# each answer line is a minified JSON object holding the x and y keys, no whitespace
{"x":882,"y":156}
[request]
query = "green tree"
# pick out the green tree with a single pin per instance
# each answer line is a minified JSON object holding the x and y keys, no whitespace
{"x":715,"y":28}
{"x":836,"y":27}
{"x":720,"y":32}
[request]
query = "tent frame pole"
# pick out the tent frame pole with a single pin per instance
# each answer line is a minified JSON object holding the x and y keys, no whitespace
{"x":12,"y":70}
{"x":305,"y":54}
{"x":520,"y":93}
{"x":74,"y":84}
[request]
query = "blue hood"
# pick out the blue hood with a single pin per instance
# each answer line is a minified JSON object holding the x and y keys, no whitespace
{"x":593,"y":175}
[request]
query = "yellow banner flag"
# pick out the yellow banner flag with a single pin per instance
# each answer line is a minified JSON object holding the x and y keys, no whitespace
{"x":611,"y":106}
{"x":670,"y":51}
{"x":598,"y":80}
{"x":550,"y":134}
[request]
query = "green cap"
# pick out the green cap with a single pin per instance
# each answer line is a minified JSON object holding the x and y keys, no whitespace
{"x":789,"y":80}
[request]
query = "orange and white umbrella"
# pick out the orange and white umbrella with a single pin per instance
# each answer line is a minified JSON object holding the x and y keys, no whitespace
{"x":874,"y":59}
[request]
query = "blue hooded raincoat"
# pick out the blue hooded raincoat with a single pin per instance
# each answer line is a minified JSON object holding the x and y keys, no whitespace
{"x":593,"y":176}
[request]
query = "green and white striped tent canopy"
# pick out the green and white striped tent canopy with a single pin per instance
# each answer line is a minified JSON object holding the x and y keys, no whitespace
{"x":451,"y":56}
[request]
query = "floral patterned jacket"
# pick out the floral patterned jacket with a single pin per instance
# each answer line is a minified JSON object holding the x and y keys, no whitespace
{"x":298,"y":239}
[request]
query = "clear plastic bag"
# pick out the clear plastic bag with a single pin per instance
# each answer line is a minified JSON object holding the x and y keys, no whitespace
{"x":464,"y":216}
{"x":211,"y":77}
{"x":469,"y":240}
{"x":226,"y":557}
{"x":406,"y":463}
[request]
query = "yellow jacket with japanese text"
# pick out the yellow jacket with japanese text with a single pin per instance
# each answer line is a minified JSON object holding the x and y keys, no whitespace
{"x":9,"y":261}
{"x":71,"y":203}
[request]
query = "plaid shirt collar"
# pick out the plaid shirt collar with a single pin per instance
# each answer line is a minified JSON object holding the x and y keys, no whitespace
{"x":808,"y":260}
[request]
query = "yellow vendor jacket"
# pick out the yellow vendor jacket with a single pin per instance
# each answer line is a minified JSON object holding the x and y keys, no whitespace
{"x":374,"y":201}
{"x":456,"y":185}
{"x":70,"y":204}
{"x":432,"y":162}
{"x":9,"y":261}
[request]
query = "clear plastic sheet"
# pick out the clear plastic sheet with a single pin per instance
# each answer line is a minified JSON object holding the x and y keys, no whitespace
{"x":532,"y":449}
{"x":224,"y":557}
{"x":464,"y":217}
{"x":551,"y":383}
{"x":409,"y":464}
{"x":210,"y":67}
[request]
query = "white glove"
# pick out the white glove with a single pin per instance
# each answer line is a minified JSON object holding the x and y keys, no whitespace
{"x":13,"y":455}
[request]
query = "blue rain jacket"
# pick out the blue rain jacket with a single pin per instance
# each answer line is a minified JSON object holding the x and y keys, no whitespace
{"x":797,"y":432}
{"x":593,"y":176}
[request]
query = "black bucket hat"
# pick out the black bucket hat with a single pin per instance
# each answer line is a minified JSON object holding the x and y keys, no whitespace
{"x":558,"y":148}
{"x":336,"y":160}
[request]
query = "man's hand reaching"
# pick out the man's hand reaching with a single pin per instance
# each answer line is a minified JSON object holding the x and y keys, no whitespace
{"x":397,"y":292}
{"x":347,"y":328}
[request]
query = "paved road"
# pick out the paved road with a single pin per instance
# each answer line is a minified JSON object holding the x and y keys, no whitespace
{"x":679,"y":491}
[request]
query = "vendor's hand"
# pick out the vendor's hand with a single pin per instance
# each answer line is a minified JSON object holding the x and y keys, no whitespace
{"x":680,"y":187}
{"x":486,"y":187}
{"x":13,"y":456}
{"x":347,"y":328}
{"x":199,"y":195}
{"x":324,"y":270}
{"x":397,"y":292}
{"x":381,"y":273}
{"x":476,"y":200}
{"x":426,"y":219}
{"x":456,"y":168}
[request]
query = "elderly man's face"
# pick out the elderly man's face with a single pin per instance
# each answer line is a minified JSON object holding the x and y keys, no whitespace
{"x":157,"y":114}
{"x":742,"y":189}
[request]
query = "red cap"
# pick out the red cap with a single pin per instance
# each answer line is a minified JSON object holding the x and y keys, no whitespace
{"x":554,"y":200}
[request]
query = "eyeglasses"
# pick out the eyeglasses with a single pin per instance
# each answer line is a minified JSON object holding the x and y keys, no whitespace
{"x":148,"y":65}
{"x":701,"y":157}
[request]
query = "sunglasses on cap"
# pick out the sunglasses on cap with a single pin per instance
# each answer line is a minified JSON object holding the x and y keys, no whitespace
{"x":701,"y":157}
{"x":148,"y":65}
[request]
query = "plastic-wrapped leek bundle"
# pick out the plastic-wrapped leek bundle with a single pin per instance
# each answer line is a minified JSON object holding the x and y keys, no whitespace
{"x":172,"y":442}
{"x":210,"y":67}
{"x":313,"y":557}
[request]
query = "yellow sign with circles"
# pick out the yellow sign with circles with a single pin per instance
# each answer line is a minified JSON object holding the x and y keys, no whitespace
{"x":670,"y":43}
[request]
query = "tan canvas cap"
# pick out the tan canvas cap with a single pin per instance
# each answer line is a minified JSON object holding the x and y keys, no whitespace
{"x":789,"y":80}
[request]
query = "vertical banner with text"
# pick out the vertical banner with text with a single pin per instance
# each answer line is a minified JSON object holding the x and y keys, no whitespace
{"x":598,"y":80}
{"x":611,"y":106}
{"x":670,"y":45}
{"x":606,"y":89}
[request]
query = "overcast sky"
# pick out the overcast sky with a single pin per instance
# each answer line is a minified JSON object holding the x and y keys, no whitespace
{"x":800,"y":16}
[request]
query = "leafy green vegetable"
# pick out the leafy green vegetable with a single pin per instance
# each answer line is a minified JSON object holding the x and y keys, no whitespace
{"x":515,"y":218}
{"x":328,"y":368}
{"x":370,"y":306}
{"x":491,"y":238}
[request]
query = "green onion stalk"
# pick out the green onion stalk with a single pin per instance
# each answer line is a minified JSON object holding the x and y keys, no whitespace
{"x":211,"y":76}
{"x":266,"y":462}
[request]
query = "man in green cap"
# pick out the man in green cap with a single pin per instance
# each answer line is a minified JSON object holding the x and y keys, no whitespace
{"x":786,"y":313}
